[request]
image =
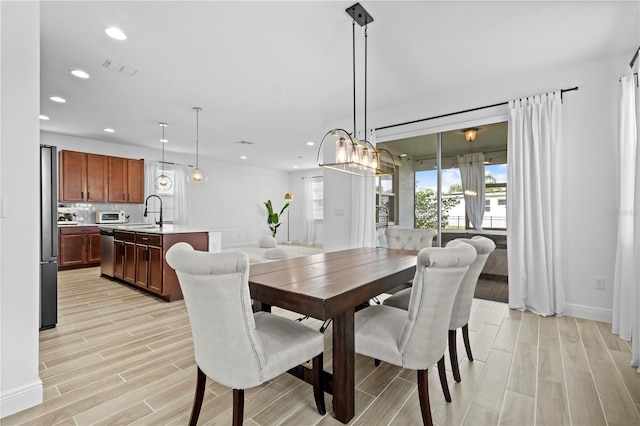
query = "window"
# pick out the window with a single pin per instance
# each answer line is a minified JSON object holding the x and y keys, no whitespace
{"x":487,"y":206}
{"x":318,"y":199}
{"x":386,"y":196}
{"x":166,"y":195}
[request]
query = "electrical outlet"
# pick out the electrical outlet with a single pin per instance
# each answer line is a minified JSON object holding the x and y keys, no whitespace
{"x":599,"y":283}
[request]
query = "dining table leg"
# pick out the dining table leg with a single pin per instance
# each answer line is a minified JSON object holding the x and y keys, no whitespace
{"x":344,"y":366}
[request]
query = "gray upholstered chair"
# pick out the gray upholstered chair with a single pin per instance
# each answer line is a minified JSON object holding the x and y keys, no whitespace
{"x":417,"y":338}
{"x":462,"y":305}
{"x":234,"y":346}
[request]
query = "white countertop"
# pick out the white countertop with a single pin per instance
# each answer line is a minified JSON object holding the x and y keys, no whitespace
{"x":154,"y":229}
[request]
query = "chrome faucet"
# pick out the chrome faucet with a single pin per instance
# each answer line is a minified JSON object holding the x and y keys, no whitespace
{"x":158,"y":222}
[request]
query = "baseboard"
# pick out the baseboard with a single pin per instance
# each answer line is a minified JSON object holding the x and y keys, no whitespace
{"x":588,"y":312}
{"x":20,"y":399}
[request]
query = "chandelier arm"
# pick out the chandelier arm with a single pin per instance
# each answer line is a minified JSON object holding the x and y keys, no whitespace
{"x":353,"y":144}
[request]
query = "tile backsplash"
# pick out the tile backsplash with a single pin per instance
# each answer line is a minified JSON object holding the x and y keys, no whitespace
{"x":87,"y":211}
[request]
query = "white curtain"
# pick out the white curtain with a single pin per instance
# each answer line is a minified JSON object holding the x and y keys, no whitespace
{"x":308,"y":234}
{"x":626,"y":285}
{"x":363,"y":215}
{"x":181,"y":196}
{"x":533,"y":225}
{"x":473,"y":185}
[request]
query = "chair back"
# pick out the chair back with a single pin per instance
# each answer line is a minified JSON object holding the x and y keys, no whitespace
{"x":462,"y":304}
{"x":438,"y":276}
{"x":408,"y":238}
{"x":215,"y":287}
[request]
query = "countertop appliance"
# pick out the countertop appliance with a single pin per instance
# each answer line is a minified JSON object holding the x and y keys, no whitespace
{"x":111,"y":217}
{"x":67,"y":216}
{"x":106,"y":251}
{"x":48,"y":237}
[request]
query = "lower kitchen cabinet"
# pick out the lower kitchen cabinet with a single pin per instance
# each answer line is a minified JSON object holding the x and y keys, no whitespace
{"x":78,"y":247}
{"x":139,"y":259}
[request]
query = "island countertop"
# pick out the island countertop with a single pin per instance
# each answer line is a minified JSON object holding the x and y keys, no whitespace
{"x":155,"y":229}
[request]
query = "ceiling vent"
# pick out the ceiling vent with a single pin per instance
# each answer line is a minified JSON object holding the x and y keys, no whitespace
{"x":114,"y":66}
{"x":245,"y":143}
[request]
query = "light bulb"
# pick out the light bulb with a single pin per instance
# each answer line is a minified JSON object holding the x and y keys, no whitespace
{"x":163,"y":182}
{"x":197,"y":176}
{"x":341,"y":151}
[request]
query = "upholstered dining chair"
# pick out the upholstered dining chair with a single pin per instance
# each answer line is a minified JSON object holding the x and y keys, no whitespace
{"x":234,"y":346}
{"x":417,"y":338}
{"x":462,"y":305}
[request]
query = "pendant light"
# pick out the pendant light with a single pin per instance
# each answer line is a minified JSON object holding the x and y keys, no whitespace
{"x":163,"y":181}
{"x":352,"y":155}
{"x":197,"y":176}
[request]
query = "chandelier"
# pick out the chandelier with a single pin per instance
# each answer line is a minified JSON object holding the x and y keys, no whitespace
{"x":350,"y":154}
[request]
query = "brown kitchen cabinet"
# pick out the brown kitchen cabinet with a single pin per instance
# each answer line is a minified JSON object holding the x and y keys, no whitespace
{"x":126,"y":180}
{"x":149,"y":261}
{"x":139,"y":259}
{"x":124,"y":256}
{"x":78,"y":247}
{"x":83,"y":177}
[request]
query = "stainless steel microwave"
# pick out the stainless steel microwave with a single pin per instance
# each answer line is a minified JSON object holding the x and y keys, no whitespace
{"x":111,"y":217}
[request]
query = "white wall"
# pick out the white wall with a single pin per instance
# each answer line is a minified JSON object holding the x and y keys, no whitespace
{"x":20,"y":385}
{"x":588,"y":158}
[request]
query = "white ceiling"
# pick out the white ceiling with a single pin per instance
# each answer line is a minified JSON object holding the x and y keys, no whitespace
{"x":279,"y":73}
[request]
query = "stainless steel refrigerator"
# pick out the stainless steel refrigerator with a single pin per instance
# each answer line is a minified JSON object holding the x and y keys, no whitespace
{"x":48,"y":237}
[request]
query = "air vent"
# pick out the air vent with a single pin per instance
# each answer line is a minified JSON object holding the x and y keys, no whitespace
{"x":245,"y":143}
{"x":114,"y":66}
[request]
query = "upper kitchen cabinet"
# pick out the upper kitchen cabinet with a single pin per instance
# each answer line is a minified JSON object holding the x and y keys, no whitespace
{"x":126,"y":180}
{"x":83,"y":177}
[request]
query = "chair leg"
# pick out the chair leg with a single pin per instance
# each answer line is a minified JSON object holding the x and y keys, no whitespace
{"x":465,"y":337}
{"x":318,"y":383}
{"x":376,"y":362}
{"x":238,"y":407}
{"x":423,"y":395}
{"x":453,"y":355}
{"x":443,"y":379}
{"x":325,"y":325}
{"x":197,"y":402}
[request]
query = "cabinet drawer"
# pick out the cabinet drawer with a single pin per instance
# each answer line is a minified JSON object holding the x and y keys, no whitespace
{"x":124,"y":236}
{"x":69,"y":230}
{"x":149,"y":239}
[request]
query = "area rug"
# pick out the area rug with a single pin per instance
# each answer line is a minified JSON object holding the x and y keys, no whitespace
{"x":256,"y":254}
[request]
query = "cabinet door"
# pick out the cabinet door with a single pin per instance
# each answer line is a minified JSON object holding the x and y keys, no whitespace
{"x":73,"y":171}
{"x":142,"y":265}
{"x":93,"y":248}
{"x":118,"y":259}
{"x":129,"y":269}
{"x":97,"y":178}
{"x":154,"y":275}
{"x":117,"y":180}
{"x":71,"y":250}
{"x":135,"y":181}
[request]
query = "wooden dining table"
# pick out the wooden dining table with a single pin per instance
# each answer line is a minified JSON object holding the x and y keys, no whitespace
{"x":332,"y":286}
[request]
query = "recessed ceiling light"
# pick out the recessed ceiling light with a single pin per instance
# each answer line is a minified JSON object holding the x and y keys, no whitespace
{"x":164,"y":140}
{"x":403,"y":155}
{"x":43,"y":117}
{"x":243,"y":157}
{"x":310,"y":143}
{"x":295,"y":167}
{"x":79,"y":73}
{"x":58,"y":99}
{"x":109,"y":130}
{"x":115,"y":33}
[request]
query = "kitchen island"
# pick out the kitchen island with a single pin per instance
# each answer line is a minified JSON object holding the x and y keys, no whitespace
{"x":139,"y":252}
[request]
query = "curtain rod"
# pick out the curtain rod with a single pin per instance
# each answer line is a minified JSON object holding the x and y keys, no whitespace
{"x":311,"y":177}
{"x":174,"y":164}
{"x":460,"y":112}
{"x":635,"y":57}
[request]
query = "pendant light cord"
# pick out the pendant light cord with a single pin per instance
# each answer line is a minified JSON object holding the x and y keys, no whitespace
{"x":197,"y":143}
{"x":365,"y":82}
{"x":353,"y":38}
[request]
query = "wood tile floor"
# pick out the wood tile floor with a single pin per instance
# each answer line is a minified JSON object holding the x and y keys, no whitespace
{"x":121,"y":357}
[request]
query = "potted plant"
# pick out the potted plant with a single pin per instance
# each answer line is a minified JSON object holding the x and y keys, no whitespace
{"x":273,"y":219}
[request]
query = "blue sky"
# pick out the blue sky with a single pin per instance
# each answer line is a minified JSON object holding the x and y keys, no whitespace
{"x":451,"y":176}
